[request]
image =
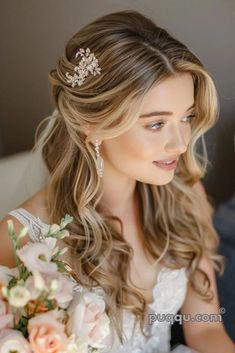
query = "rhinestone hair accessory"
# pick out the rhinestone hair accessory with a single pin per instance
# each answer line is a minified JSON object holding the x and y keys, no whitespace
{"x":88,"y":63}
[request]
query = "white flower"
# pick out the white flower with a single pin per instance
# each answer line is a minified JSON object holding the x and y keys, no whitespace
{"x":54,"y":285}
{"x":87,"y":319}
{"x":13,"y":341}
{"x":59,"y":287}
{"x":74,"y":345}
{"x":6,"y":316}
{"x":39,"y":282}
{"x":50,"y":242}
{"x":37,"y":256}
{"x":63,"y":251}
{"x":64,"y":234}
{"x":6,"y":274}
{"x":55,"y":250}
{"x":54,"y":228}
{"x":18,"y":296}
{"x":22,"y":233}
{"x":30,"y":286}
{"x":63,"y":294}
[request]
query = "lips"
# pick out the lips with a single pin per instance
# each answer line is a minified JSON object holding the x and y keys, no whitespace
{"x":170,"y":159}
{"x":167,"y":163}
{"x":166,"y":166}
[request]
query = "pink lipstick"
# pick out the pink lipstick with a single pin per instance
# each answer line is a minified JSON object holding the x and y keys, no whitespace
{"x":166,"y":165}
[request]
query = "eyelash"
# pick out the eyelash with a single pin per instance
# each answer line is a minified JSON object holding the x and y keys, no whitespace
{"x":161,"y":122}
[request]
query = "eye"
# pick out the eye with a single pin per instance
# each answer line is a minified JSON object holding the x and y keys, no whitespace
{"x":189,"y":117}
{"x":156,"y":126}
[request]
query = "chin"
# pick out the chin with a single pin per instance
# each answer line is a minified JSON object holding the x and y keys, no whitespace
{"x":156,"y":181}
{"x":163,"y":181}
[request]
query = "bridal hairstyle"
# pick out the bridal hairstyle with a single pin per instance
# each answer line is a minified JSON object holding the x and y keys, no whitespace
{"x":135,"y":54}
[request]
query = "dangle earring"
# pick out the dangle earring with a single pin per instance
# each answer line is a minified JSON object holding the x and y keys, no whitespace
{"x":99,"y":160}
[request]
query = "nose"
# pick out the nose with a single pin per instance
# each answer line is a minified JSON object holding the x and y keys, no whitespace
{"x":177,"y":143}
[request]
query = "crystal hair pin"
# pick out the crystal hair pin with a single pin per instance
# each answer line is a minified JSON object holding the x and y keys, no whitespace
{"x":88,"y":63}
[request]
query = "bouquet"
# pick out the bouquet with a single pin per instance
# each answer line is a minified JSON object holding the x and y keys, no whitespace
{"x":40,"y":311}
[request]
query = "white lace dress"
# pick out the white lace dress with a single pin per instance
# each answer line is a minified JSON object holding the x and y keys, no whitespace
{"x":168,"y":293}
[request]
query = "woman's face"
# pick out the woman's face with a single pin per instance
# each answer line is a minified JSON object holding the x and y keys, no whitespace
{"x":162,"y":136}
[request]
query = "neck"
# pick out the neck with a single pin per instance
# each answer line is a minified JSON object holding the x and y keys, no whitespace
{"x":119,"y":198}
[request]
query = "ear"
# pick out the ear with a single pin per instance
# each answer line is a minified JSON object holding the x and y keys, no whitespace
{"x":86,"y":129}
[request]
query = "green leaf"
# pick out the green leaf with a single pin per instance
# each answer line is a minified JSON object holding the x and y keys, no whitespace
{"x":22,"y":326}
{"x":49,"y":304}
{"x":61,"y":266}
{"x":24,"y":273}
{"x":12,"y":282}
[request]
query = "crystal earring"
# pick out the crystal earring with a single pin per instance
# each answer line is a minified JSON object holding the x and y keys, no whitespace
{"x":99,"y":160}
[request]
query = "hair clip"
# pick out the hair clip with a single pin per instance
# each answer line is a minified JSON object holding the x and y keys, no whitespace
{"x":87,"y":64}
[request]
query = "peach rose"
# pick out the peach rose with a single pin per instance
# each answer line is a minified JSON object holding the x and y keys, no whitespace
{"x":13,"y":341}
{"x":46,"y":334}
{"x":6,"y":316}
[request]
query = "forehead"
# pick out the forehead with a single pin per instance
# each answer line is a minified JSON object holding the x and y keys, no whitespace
{"x":174,"y":93}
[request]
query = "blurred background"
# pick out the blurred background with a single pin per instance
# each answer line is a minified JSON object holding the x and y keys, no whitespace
{"x":34,"y":33}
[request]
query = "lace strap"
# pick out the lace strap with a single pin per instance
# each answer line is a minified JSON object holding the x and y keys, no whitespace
{"x":28,"y":220}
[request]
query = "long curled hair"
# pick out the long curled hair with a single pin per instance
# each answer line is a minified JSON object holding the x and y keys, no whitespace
{"x":135,"y":55}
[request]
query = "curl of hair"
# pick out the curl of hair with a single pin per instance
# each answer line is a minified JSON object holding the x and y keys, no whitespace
{"x":134,"y":56}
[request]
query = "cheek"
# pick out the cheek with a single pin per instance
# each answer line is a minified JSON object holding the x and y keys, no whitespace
{"x":188,"y":134}
{"x":139,"y":146}
{"x":130,"y":147}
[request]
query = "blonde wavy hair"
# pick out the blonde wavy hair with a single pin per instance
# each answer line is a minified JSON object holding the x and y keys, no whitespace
{"x":134,"y":54}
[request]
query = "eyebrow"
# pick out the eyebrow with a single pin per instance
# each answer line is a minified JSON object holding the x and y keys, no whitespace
{"x":157,"y":113}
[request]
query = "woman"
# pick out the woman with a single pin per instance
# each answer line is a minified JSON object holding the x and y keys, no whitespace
{"x":132,"y":102}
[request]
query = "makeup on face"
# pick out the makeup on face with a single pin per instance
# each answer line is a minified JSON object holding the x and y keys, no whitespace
{"x":167,"y":165}
{"x":149,"y":151}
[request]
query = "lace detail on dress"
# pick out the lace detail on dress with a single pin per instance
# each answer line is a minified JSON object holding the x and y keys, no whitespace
{"x":168,"y":296}
{"x":28,"y":220}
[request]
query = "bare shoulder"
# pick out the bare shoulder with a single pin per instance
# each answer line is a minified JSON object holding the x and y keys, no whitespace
{"x":6,"y":253}
{"x":36,"y":206}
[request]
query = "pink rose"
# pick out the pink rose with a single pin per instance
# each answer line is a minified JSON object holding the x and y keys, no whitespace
{"x":64,"y":291}
{"x":46,"y":334}
{"x":13,"y":341}
{"x":6,"y":316}
{"x":87,"y":318}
